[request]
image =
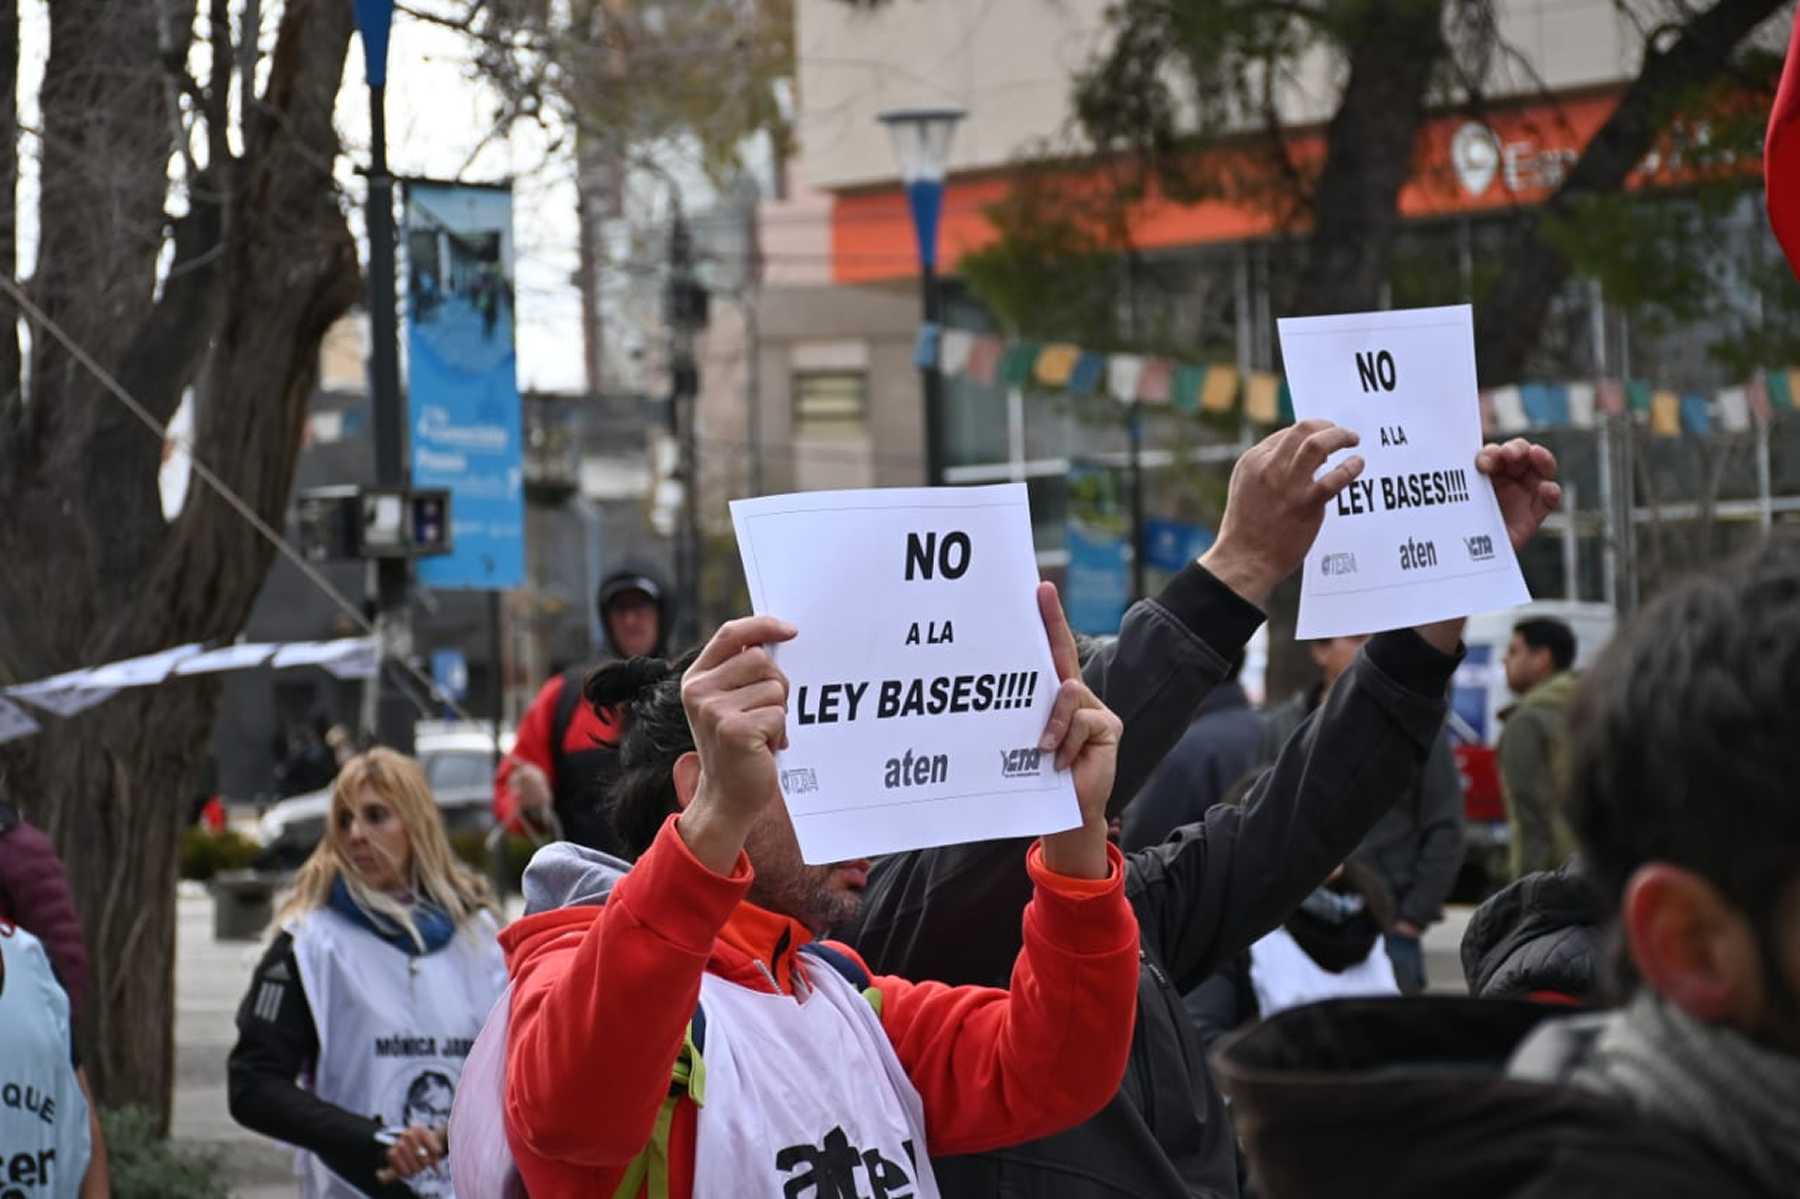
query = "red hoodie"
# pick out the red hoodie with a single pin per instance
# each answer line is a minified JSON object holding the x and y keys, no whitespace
{"x":602,"y":998}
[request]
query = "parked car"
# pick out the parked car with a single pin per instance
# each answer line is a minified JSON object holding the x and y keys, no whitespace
{"x":459,"y":767}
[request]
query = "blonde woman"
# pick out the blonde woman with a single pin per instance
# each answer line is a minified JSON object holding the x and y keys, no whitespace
{"x":353,"y":1033}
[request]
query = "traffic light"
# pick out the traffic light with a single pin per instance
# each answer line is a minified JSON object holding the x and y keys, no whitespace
{"x":347,"y":522}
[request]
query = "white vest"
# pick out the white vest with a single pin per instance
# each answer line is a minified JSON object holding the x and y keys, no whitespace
{"x":393,"y":1028}
{"x":44,"y":1143}
{"x":805,"y":1097}
{"x":1283,"y":976}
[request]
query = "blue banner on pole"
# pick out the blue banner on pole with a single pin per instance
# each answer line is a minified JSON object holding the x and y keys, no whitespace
{"x":462,"y":389}
{"x":1097,"y":589}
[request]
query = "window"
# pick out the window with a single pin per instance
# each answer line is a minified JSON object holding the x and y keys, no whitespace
{"x":830,"y":398}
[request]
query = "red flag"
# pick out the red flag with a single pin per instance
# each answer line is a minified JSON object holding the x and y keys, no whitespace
{"x":1781,"y":157}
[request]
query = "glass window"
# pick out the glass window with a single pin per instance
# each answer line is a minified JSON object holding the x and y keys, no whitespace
{"x":830,"y":398}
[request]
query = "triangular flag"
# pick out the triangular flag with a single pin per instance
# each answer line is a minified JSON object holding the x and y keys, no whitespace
{"x":1485,"y":400}
{"x":1781,"y":397}
{"x":15,"y":722}
{"x":1793,"y":386}
{"x":1781,"y":156}
{"x":984,"y":360}
{"x":925,"y":347}
{"x":955,"y":349}
{"x":1122,"y":374}
{"x":1509,"y":411}
{"x":1155,"y":381}
{"x":1665,"y":414}
{"x":1261,"y":402}
{"x":1734,"y":410}
{"x":1021,"y":359}
{"x":1638,"y":397}
{"x":1090,"y":368}
{"x":1284,"y":400}
{"x":1757,"y":390}
{"x":1546,"y":405}
{"x":1055,"y":363}
{"x":1581,"y":405}
{"x":1219,"y":393}
{"x":1610,"y":396}
{"x":1185,"y":392}
{"x":1696,"y":414}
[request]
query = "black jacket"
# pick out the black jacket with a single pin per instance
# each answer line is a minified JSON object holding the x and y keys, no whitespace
{"x":1408,"y":1097}
{"x":1417,"y":845}
{"x":1541,"y":933}
{"x":277,"y":1045}
{"x":1217,"y":750}
{"x":1200,"y":897}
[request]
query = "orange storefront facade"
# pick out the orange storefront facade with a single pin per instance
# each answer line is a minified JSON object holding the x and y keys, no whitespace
{"x":1466,"y":167}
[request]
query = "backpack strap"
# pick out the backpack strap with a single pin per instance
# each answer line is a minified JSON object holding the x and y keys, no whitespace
{"x":648,"y":1172}
{"x":566,"y":702}
{"x":848,"y":968}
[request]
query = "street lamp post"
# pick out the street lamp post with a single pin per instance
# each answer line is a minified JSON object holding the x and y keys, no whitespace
{"x":921,"y":138}
{"x":394,"y":713}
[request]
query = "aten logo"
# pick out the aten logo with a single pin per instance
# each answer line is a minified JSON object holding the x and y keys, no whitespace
{"x":916,"y":770}
{"x":1481,"y":548}
{"x":1338,"y":564}
{"x":1020,"y":763}
{"x":1417,"y":555}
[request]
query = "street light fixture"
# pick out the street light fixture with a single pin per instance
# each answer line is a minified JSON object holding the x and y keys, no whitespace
{"x":921,"y":138}
{"x":394,"y":716}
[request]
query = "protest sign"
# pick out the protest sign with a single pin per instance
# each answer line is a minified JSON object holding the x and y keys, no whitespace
{"x":921,"y":677}
{"x":1419,"y":536}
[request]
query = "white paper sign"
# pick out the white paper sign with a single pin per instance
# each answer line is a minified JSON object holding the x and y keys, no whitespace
{"x":1419,"y":536}
{"x":921,"y":677}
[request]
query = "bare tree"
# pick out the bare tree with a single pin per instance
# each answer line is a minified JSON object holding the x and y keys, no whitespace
{"x":221,"y":272}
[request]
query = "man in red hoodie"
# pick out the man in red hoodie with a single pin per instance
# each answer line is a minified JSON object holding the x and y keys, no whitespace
{"x":689,"y":1038}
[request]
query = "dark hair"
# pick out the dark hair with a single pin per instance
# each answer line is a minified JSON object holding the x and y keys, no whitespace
{"x":645,"y":694}
{"x":1682,"y":746}
{"x":1543,"y":632}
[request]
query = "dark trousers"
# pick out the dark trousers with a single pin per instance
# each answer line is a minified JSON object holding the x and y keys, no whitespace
{"x":1408,"y":957}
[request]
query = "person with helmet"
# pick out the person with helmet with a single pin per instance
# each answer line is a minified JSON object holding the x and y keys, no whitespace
{"x":566,"y":751}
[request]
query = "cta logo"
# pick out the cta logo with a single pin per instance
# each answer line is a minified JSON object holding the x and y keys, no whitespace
{"x":802,"y":780}
{"x":1338,"y":564}
{"x":1020,"y":763}
{"x":1481,"y":548}
{"x":1418,"y":555}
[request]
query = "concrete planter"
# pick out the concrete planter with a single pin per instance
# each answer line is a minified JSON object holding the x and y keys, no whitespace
{"x":243,"y":904}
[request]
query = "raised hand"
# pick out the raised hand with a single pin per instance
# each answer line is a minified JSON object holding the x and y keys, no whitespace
{"x":1524,"y":476}
{"x":1274,"y":506}
{"x":1084,"y":734}
{"x":736,"y":703}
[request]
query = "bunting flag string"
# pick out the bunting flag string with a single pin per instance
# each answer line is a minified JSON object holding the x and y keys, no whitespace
{"x":75,"y":691}
{"x":1262,"y":397}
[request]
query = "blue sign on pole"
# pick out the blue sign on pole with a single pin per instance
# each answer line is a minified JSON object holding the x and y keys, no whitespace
{"x":1169,"y":545}
{"x":1097,"y":589}
{"x":450,"y":671}
{"x":462,"y":387}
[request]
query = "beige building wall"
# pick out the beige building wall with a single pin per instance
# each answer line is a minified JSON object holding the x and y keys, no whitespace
{"x":1008,"y":63}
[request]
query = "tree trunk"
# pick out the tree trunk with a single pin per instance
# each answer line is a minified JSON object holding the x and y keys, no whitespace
{"x":1369,"y":150}
{"x":263,"y":264}
{"x":10,"y":352}
{"x":1509,"y":324}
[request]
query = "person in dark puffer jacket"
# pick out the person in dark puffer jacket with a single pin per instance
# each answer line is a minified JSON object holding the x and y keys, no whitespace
{"x":1539,"y":938}
{"x":35,"y":895}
